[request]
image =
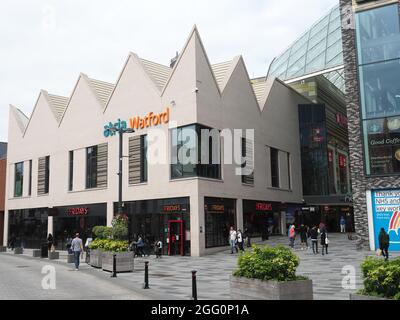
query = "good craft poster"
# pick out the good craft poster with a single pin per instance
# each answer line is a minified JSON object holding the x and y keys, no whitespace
{"x":386,"y":214}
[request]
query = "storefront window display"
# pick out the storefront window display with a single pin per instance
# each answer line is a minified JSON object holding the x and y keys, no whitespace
{"x":28,"y":227}
{"x":262,"y":216}
{"x":69,"y":220}
{"x":220,"y":215}
{"x":167,"y":220}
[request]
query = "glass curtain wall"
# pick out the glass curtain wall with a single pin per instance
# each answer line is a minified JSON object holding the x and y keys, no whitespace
{"x":378,"y":50}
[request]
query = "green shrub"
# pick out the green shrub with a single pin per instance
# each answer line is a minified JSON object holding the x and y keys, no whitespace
{"x":267,"y":263}
{"x":102,"y":232}
{"x":109,"y":245}
{"x":381,"y":278}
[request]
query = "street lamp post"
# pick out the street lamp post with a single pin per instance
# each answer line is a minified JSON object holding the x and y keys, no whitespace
{"x":121,"y":131}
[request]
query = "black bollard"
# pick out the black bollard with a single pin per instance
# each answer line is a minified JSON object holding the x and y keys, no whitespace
{"x":114,"y":272}
{"x":194,"y":285}
{"x":146,"y":275}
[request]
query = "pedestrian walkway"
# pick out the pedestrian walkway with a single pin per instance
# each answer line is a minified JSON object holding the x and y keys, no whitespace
{"x":170,"y":277}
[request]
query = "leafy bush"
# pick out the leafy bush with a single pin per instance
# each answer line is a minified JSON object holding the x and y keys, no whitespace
{"x":267,"y":263}
{"x":102,"y":232}
{"x":119,"y":228}
{"x":381,"y":278}
{"x":109,"y":245}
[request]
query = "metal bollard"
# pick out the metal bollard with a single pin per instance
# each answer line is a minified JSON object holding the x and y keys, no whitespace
{"x":146,"y":275}
{"x":114,"y":272}
{"x":194,"y":285}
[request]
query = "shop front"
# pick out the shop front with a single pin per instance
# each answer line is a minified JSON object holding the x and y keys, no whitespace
{"x":27,"y":227}
{"x":167,"y":220}
{"x":69,"y":220}
{"x":260,"y":217}
{"x":220,"y":215}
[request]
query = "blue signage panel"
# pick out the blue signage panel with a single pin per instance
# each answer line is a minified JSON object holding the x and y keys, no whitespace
{"x":386,"y":214}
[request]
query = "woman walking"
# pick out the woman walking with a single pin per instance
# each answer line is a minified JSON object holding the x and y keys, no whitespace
{"x":324,"y":241}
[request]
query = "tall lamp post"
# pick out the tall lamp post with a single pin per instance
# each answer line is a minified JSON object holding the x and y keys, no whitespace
{"x":121,"y":131}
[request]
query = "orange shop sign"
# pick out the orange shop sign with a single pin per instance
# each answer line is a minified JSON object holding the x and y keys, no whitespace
{"x":137,"y":122}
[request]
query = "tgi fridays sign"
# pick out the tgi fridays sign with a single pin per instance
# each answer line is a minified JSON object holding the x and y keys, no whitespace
{"x":77,"y":211}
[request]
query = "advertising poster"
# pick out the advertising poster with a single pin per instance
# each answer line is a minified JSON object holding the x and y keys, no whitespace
{"x":386,"y":214}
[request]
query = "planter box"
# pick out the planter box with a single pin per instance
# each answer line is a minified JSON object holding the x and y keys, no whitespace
{"x":254,"y":289}
{"x":3,"y":249}
{"x":95,"y":258}
{"x":36,"y":253}
{"x":70,"y":258}
{"x":356,"y":296}
{"x":18,"y":250}
{"x":54,"y":255}
{"x":124,"y":261}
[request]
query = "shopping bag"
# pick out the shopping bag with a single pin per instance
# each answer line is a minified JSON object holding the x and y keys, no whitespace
{"x":379,"y":252}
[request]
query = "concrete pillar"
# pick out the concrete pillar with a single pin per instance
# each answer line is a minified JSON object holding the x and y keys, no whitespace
{"x":110,"y":213}
{"x":5,"y":234}
{"x":283,"y":222}
{"x":239,"y":214}
{"x":50,"y":225}
{"x":197,"y":226}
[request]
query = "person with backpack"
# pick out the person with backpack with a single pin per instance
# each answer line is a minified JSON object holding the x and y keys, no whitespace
{"x":324,"y":241}
{"x":384,"y":242}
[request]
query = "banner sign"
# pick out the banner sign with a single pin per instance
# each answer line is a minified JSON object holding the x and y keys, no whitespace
{"x":386,"y":214}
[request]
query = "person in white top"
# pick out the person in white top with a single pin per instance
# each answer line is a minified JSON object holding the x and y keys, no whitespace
{"x":232,"y":239}
{"x":239,"y":236}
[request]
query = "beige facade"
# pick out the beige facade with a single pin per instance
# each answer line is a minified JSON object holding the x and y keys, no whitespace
{"x":219,"y":96}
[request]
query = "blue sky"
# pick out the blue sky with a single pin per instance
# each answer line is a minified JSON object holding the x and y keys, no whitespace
{"x":45,"y":44}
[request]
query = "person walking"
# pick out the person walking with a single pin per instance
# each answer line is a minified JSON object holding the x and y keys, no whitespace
{"x":232,"y":239}
{"x":140,"y":246}
{"x":50,"y":241}
{"x":292,"y":236}
{"x":324,"y":241}
{"x":314,"y":239}
{"x":158,"y":248}
{"x":303,"y":237}
{"x":77,"y":249}
{"x":342,"y":224}
{"x":246,"y":237}
{"x":384,"y":243}
{"x":239,"y":237}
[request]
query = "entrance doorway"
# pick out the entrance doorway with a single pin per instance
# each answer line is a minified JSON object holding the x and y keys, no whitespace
{"x":176,"y":238}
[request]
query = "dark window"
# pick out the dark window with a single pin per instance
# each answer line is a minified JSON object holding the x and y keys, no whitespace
{"x":19,"y":179}
{"x":220,"y":215}
{"x":30,"y":178}
{"x":247,"y":155}
{"x":47,"y":174}
{"x":193,"y":157}
{"x":343,"y":173}
{"x":91,"y":167}
{"x":143,"y":158}
{"x":71,"y":171}
{"x":274,"y":153}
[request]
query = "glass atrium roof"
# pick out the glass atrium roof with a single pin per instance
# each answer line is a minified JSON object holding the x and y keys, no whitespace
{"x":317,"y":51}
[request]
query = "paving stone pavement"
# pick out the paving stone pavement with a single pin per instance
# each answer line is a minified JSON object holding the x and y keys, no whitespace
{"x":170,"y":277}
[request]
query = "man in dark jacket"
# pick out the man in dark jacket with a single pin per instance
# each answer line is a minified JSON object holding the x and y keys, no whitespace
{"x":384,"y":243}
{"x":314,"y":239}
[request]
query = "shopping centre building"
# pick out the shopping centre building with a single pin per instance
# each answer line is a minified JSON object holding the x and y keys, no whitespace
{"x":371,"y":52}
{"x":63,"y":160}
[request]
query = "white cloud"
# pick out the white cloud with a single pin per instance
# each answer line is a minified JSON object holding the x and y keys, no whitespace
{"x":46,"y":44}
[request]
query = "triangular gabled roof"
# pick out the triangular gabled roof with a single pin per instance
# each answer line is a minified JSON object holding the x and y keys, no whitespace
{"x":102,"y":89}
{"x":20,"y":117}
{"x":158,"y":73}
{"x":57,"y":103}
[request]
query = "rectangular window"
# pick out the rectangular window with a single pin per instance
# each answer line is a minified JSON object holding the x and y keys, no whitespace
{"x":274,"y":159}
{"x":43,"y":175}
{"x":343,"y":174}
{"x":138,"y":159}
{"x":71,"y":171}
{"x":19,"y":179}
{"x":91,"y":167}
{"x":248,"y":164}
{"x":30,"y":178}
{"x":195,"y":151}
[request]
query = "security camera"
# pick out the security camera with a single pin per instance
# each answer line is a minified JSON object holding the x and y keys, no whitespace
{"x":196,"y":89}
